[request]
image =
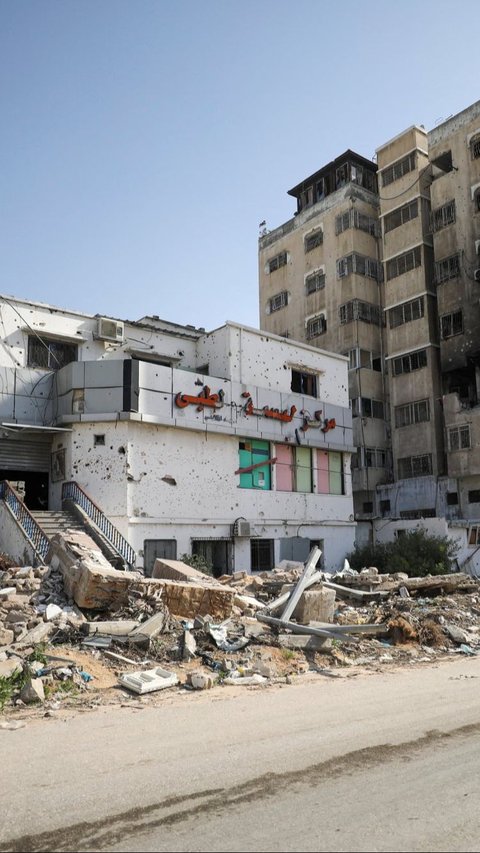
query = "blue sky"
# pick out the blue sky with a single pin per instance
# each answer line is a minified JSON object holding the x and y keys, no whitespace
{"x":143,"y":141}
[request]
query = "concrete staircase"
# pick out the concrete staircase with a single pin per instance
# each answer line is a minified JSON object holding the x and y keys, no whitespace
{"x":59,"y":521}
{"x":56,"y":521}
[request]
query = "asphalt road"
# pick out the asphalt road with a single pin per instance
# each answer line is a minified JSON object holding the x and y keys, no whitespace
{"x":378,"y":762}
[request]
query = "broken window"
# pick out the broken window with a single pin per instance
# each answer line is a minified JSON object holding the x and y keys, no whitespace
{"x":277,"y":262}
{"x":280,"y":300}
{"x":459,"y":437}
{"x":409,"y":362}
{"x":447,"y":268}
{"x":401,"y":215}
{"x":443,"y":216}
{"x":451,"y":324}
{"x":304,"y":383}
{"x":475,"y":146}
{"x":313,"y":240}
{"x":474,"y":496}
{"x":384,"y":507}
{"x":404,"y":263}
{"x":452,"y":498}
{"x":373,"y":457}
{"x":261,"y":555}
{"x":368,"y":408}
{"x":407,"y":312}
{"x":354,"y":219}
{"x":43,"y":352}
{"x":412,"y":413}
{"x":399,"y":169}
{"x":314,"y":282}
{"x":415,"y":466}
{"x":359,"y":264}
{"x":316,"y":326}
{"x":358,"y":310}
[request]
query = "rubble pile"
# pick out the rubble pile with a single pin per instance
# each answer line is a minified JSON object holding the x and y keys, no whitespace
{"x":64,"y":624}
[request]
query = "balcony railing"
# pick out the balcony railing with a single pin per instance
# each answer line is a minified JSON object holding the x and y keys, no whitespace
{"x":73,"y":492}
{"x":25,"y":519}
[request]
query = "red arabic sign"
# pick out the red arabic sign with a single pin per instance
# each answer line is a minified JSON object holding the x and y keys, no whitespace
{"x":204,"y":398}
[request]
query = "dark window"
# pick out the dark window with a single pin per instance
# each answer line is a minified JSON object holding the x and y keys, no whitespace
{"x":358,"y":310}
{"x":452,"y":498}
{"x":410,"y":362}
{"x":406,"y":312}
{"x":412,"y":413}
{"x":399,"y":169}
{"x":313,"y":240}
{"x":278,"y":301}
{"x":304,"y":383}
{"x":261,"y":555}
{"x":317,"y":326}
{"x":277,"y":262}
{"x":443,"y":216}
{"x":98,"y":440}
{"x":475,"y":146}
{"x":368,"y":506}
{"x":404,"y":263}
{"x":359,"y":264}
{"x":384,"y":507}
{"x":447,"y":268}
{"x":154,"y":549}
{"x":401,"y":215}
{"x":415,"y":466}
{"x":314,"y":282}
{"x":451,"y":324}
{"x":43,"y":352}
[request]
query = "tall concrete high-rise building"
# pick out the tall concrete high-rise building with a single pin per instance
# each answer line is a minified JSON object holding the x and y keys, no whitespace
{"x":381,"y":262}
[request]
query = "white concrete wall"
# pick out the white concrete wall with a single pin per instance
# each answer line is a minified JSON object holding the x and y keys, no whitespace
{"x":12,"y":540}
{"x":162,"y":482}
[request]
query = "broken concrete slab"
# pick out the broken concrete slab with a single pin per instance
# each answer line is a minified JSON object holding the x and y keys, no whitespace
{"x":315,"y":605}
{"x":6,"y":636}
{"x":32,"y":691}
{"x":148,"y":680}
{"x":37,"y":635}
{"x":176,"y":570}
{"x":189,"y":646}
{"x":118,"y":628}
{"x":304,"y":642}
{"x":188,"y":600}
{"x":200,"y":680}
{"x":146,"y":631}
{"x":88,"y":577}
{"x":10,"y":667}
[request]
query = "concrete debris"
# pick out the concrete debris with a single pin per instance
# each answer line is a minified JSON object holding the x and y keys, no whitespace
{"x":148,"y":680}
{"x":200,"y":680}
{"x":32,"y":691}
{"x":184,"y":627}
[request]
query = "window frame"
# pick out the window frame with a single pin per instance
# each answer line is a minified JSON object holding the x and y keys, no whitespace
{"x":50,"y":351}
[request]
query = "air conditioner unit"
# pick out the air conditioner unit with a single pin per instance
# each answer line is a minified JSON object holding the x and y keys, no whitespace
{"x":241,"y":528}
{"x":476,"y":275}
{"x":110,"y":330}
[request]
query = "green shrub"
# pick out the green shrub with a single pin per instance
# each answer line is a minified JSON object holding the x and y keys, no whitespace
{"x":415,"y":553}
{"x":196,"y":561}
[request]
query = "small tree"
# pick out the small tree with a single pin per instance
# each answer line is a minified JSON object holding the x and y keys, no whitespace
{"x":415,"y":553}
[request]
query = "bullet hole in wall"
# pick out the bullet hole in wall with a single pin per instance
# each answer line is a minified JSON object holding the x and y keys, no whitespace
{"x":122,"y":450}
{"x":169,"y":479}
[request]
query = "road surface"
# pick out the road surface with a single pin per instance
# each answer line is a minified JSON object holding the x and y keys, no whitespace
{"x":378,"y":762}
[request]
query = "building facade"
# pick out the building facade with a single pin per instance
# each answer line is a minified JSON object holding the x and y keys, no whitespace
{"x":392,"y":282}
{"x":232,"y":444}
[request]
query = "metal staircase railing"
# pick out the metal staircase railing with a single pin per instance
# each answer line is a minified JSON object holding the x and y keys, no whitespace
{"x":25,"y":519}
{"x":71,"y":491}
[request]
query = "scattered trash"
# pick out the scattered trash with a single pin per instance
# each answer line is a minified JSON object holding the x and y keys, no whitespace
{"x":239,"y":629}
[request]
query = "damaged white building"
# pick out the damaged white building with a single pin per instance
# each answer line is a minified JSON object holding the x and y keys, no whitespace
{"x":167,"y":440}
